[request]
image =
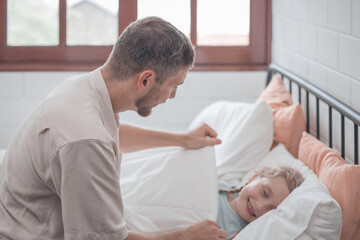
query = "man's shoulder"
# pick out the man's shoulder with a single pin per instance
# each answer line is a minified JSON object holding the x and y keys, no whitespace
{"x":74,"y":112}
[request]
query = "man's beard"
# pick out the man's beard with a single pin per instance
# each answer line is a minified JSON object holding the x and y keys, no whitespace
{"x":143,"y":103}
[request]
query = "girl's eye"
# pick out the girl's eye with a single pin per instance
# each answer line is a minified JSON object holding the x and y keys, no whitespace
{"x":265,"y":194}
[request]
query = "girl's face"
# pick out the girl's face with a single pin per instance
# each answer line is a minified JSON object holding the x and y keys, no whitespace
{"x":260,"y":196}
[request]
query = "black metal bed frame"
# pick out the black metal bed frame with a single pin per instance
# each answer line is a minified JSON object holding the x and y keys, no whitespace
{"x":344,"y":110}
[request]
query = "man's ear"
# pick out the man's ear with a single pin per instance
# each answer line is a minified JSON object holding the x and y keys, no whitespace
{"x":145,"y":80}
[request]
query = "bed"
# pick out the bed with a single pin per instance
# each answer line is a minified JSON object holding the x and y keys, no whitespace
{"x":293,"y":123}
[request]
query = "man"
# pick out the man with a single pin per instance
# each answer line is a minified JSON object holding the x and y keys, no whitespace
{"x":60,"y":176}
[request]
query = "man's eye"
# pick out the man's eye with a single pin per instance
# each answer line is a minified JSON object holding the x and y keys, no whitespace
{"x":265,"y":194}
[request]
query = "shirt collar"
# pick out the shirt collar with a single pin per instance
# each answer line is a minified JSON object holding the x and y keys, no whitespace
{"x":110,"y":119}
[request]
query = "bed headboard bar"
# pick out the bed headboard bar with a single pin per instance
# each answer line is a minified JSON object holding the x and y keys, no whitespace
{"x":344,"y":110}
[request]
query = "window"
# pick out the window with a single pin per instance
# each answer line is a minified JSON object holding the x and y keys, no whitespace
{"x":218,"y":31}
{"x":71,"y":35}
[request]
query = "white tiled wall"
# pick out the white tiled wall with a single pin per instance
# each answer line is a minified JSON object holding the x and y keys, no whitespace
{"x":21,"y":92}
{"x":320,"y":41}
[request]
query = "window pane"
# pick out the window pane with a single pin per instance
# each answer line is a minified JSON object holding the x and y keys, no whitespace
{"x":223,"y":23}
{"x":92,"y":22}
{"x":32,"y":22}
{"x":176,"y":12}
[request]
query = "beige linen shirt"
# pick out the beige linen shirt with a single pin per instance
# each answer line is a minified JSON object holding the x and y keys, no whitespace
{"x":60,"y":176}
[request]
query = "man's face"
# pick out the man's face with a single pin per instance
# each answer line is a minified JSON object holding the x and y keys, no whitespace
{"x":160,"y":93}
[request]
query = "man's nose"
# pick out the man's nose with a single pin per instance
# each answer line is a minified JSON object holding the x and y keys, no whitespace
{"x":173,"y":93}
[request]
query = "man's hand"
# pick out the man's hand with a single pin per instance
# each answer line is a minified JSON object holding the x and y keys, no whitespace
{"x":201,"y":137}
{"x":206,"y":230}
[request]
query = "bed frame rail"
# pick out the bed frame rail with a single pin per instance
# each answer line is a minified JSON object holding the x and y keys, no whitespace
{"x":344,"y":110}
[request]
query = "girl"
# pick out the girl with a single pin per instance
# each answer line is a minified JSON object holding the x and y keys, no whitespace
{"x":265,"y":191}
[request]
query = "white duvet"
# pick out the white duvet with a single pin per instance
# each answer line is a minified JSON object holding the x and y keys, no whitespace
{"x":169,"y":188}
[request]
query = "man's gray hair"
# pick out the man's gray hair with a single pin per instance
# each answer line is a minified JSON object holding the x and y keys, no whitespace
{"x":151,"y":44}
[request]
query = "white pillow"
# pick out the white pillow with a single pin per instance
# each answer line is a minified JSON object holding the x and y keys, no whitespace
{"x":172,"y":187}
{"x":309,"y":212}
{"x":246,"y":131}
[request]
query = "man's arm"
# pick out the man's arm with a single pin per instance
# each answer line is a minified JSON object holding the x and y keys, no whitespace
{"x":205,"y":230}
{"x":134,"y":138}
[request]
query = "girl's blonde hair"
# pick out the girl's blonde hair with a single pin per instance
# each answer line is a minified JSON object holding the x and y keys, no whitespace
{"x":293,"y":178}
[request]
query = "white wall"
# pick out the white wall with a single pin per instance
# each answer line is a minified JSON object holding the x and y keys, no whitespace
{"x":21,"y":92}
{"x":320,"y":41}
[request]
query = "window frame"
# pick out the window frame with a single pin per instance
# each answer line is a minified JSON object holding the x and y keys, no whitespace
{"x":255,"y":56}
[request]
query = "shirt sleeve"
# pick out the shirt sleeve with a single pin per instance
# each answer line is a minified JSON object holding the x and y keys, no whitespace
{"x":89,"y":189}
